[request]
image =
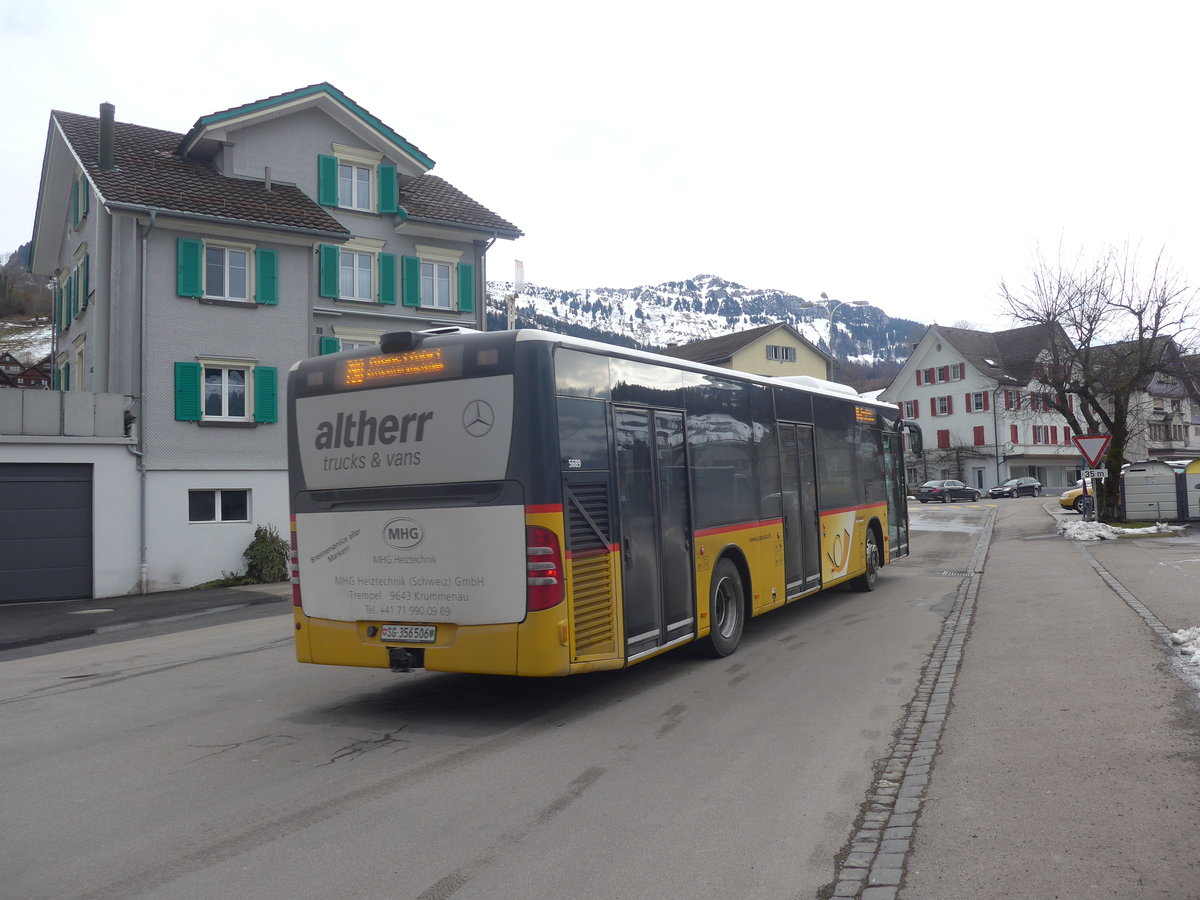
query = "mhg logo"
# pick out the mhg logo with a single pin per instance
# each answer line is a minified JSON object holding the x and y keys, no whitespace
{"x":403,"y":534}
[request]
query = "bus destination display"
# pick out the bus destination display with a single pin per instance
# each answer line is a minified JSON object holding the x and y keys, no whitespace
{"x":421,"y":364}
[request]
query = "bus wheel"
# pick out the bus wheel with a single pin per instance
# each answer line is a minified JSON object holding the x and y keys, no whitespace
{"x":868,"y":579}
{"x":726,"y":609}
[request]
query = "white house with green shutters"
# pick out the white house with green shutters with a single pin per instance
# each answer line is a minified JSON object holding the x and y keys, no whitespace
{"x":191,"y":270}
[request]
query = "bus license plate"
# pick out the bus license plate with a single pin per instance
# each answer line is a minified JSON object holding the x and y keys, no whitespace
{"x":424,"y":634}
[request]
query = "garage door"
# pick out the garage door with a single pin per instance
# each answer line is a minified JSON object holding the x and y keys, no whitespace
{"x":45,"y":531}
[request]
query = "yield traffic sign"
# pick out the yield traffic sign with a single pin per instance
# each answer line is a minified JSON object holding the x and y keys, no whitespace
{"x":1092,"y":446}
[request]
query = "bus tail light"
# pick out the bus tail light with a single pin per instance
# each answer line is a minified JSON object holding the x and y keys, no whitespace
{"x":295,"y":568}
{"x":543,"y":563}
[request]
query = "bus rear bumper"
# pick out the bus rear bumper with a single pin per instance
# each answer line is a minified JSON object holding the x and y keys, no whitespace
{"x":529,"y":648}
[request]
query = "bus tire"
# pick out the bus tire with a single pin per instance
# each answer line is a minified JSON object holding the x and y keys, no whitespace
{"x":870,"y":578}
{"x":726,"y":609}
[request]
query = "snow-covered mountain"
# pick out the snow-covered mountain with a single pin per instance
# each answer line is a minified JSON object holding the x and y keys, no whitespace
{"x":706,"y":306}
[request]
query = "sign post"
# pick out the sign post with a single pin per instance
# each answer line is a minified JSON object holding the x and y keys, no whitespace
{"x":1093,"y":447}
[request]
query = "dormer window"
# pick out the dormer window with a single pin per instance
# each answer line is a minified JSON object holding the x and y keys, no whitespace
{"x":356,"y":179}
{"x":354,"y":186}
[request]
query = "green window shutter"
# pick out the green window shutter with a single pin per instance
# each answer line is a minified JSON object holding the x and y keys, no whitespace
{"x":330,"y":258}
{"x":84,"y":279}
{"x":266,"y":276}
{"x":188,"y":254}
{"x":66,"y":377}
{"x":329,"y":344}
{"x":86,"y":195}
{"x":411,"y":287}
{"x":327,"y":180}
{"x":58,"y":307}
{"x":387,"y":278}
{"x":72,"y":297}
{"x":389,"y":198}
{"x":187,"y":392}
{"x":266,"y":394}
{"x":466,"y":287}
{"x":75,"y":203}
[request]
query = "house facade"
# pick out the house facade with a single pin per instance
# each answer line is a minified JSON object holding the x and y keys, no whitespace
{"x":776,"y":350}
{"x":192,"y":270}
{"x":982,"y":411}
{"x":1165,"y":413}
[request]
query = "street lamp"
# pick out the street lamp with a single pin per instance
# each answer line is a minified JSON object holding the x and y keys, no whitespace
{"x":832,"y":306}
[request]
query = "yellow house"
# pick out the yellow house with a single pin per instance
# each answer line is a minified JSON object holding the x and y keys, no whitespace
{"x":776,"y":349}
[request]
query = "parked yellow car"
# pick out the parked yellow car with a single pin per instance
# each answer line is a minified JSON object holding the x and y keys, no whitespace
{"x":1072,"y":498}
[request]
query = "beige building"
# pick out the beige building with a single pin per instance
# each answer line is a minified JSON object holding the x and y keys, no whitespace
{"x":775,"y":350}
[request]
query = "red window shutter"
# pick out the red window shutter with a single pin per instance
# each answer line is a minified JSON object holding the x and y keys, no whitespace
{"x":943,"y":438}
{"x":949,"y":406}
{"x":916,"y":409}
{"x":978,"y":435}
{"x":933,"y":406}
{"x":1016,"y":435}
{"x":1054,"y":434}
{"x":969,"y":407}
{"x":918,"y":377}
{"x":985,"y":401}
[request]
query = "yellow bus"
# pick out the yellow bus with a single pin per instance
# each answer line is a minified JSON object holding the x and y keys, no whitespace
{"x":525,"y":503}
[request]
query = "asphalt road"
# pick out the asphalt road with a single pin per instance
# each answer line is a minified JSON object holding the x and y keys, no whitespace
{"x":209,"y":763}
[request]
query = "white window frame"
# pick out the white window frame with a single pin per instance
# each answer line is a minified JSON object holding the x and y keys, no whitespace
{"x":358,"y":160}
{"x":359,"y":263}
{"x":227,"y":364}
{"x":943,"y":405}
{"x":78,"y":362}
{"x":361,"y":247}
{"x":781,"y":353}
{"x":227,"y":247}
{"x":1041,"y":435}
{"x":435,"y":256}
{"x":217,"y":492}
{"x":356,"y":338}
{"x":976,"y":401}
{"x":941,"y":373}
{"x":908,"y":407}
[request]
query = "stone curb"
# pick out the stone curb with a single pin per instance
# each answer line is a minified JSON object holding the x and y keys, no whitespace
{"x":873,"y":868}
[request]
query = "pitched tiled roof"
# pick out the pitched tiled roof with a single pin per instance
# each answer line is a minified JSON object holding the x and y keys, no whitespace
{"x":430,"y":197}
{"x":323,"y":87}
{"x":723,"y":347}
{"x":1010,"y":353}
{"x":148,"y":173}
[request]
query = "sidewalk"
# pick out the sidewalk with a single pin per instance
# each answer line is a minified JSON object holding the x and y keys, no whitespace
{"x":1066,"y":764}
{"x":29,"y":624}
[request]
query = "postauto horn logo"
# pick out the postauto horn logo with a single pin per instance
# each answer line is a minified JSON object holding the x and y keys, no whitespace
{"x":403,"y":534}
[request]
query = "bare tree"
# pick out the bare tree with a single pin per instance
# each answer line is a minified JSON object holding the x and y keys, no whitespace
{"x":1113,"y":324}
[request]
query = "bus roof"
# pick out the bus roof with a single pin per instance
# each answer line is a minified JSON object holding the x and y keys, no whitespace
{"x":807,"y":382}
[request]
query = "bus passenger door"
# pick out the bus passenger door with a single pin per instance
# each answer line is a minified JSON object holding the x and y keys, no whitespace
{"x":656,"y":546}
{"x":897,"y":494}
{"x":801,"y":546}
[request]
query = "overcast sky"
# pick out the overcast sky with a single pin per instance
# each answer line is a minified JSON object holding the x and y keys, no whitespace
{"x":909,"y":155}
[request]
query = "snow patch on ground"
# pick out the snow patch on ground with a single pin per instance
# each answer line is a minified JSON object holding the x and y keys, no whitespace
{"x":1099,"y":531}
{"x":1188,"y":640}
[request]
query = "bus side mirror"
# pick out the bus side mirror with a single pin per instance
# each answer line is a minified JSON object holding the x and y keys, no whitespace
{"x":915,"y":440}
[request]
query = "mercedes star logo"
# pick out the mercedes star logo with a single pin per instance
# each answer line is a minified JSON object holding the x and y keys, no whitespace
{"x":478,"y":418}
